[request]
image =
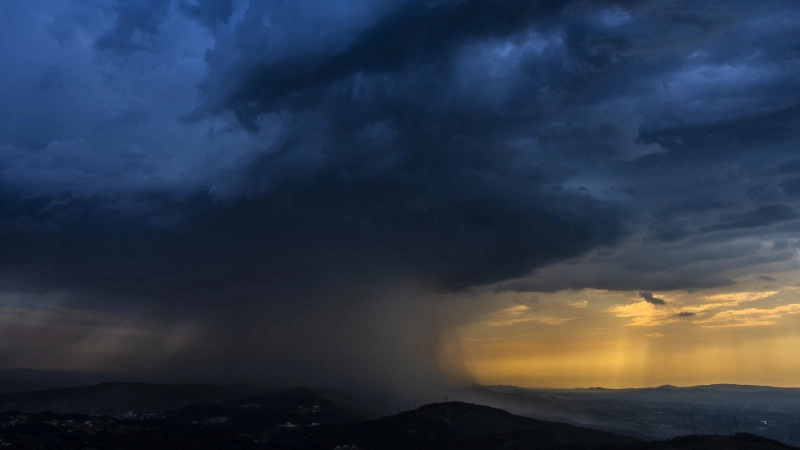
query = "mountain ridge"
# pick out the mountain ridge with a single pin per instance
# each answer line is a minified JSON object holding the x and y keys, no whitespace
{"x":304,"y":418}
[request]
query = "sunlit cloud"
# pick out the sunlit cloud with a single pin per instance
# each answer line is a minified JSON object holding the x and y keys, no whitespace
{"x":523,"y":314}
{"x":643,"y":314}
{"x":647,"y":313}
{"x":655,"y":335}
{"x":580,"y":304}
{"x":750,"y":317}
{"x":738,"y":297}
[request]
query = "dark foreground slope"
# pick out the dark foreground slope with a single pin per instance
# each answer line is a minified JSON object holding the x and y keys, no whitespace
{"x":304,"y":419}
{"x":253,"y":421}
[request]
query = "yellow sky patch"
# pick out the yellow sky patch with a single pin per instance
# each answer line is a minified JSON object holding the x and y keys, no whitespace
{"x":655,"y":335}
{"x":717,"y":332}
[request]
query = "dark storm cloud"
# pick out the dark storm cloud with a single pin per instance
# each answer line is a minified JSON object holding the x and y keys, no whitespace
{"x":208,"y":12}
{"x":251,"y":164}
{"x":418,"y":191}
{"x":792,"y":186}
{"x":295,"y":233}
{"x":415,"y":33}
{"x":135,"y":26}
{"x":650,"y":298}
{"x":790,"y":167}
{"x":762,"y":216}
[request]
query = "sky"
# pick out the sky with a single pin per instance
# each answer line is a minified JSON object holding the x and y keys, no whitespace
{"x":402,"y":194}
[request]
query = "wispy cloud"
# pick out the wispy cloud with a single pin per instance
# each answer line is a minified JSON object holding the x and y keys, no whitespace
{"x":739,"y":297}
{"x":523,"y":314}
{"x":717,"y":311}
{"x":580,"y":304}
{"x":643,"y":314}
{"x":749,"y":317}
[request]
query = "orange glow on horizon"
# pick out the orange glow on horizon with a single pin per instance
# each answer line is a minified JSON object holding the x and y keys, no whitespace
{"x":617,"y":340}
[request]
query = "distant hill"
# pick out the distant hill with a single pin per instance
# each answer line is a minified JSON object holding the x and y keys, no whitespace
{"x":461,"y":425}
{"x":120,"y":397}
{"x":744,"y":388}
{"x":305,"y":402}
{"x":657,"y":413}
{"x":22,"y":380}
{"x":369,"y":404}
{"x":740,"y":441}
{"x":540,"y":405}
{"x":302,"y":419}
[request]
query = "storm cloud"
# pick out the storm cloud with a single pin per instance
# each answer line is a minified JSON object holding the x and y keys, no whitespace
{"x":261,"y":173}
{"x":650,"y":298}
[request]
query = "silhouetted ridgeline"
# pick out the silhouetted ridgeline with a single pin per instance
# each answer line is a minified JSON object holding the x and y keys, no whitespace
{"x":142,"y":415}
{"x":21,"y":380}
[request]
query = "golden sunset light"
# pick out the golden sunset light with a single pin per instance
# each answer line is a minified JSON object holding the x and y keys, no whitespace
{"x":617,"y":340}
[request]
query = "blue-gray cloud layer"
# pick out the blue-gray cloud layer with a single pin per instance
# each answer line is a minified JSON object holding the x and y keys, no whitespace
{"x":189,"y":154}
